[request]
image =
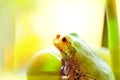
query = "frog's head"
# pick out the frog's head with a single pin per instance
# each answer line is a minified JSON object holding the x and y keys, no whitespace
{"x":65,"y":44}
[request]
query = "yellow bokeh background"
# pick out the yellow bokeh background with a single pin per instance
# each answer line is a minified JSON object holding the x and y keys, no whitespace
{"x":36,"y":22}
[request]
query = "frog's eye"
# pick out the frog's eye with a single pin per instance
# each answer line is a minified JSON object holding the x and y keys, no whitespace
{"x":64,"y":39}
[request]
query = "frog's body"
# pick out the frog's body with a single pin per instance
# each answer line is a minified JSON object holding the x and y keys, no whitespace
{"x":79,"y":62}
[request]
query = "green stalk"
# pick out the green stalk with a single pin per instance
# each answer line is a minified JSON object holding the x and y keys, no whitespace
{"x":113,"y":36}
{"x":105,"y":32}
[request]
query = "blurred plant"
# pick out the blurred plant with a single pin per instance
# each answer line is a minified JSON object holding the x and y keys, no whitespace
{"x":113,"y":37}
{"x":45,"y":64}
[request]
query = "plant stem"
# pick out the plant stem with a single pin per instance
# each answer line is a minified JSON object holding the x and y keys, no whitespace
{"x":113,"y":36}
{"x":105,"y":32}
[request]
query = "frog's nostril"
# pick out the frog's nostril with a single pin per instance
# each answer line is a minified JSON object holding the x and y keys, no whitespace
{"x":58,"y":36}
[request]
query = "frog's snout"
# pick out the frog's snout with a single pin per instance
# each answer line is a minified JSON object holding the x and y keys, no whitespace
{"x":57,"y":36}
{"x":56,"y":39}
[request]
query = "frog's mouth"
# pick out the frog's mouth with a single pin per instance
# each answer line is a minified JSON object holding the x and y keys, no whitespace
{"x":63,"y":53}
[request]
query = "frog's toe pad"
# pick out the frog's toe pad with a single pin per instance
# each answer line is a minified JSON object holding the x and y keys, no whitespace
{"x":64,"y":78}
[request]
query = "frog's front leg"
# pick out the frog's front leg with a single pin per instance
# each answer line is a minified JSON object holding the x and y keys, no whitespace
{"x":65,"y":69}
{"x":62,"y":74}
{"x":62,"y":68}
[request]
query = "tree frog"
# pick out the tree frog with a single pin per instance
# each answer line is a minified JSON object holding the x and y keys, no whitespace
{"x":79,"y":61}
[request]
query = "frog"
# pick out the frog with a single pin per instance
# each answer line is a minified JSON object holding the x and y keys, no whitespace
{"x":79,"y":61}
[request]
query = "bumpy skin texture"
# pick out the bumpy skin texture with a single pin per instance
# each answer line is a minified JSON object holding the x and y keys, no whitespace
{"x":79,"y":62}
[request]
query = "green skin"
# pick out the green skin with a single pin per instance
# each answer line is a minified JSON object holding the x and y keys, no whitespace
{"x":79,"y":62}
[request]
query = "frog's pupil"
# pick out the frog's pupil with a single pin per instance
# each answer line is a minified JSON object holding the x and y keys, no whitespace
{"x":64,"y":39}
